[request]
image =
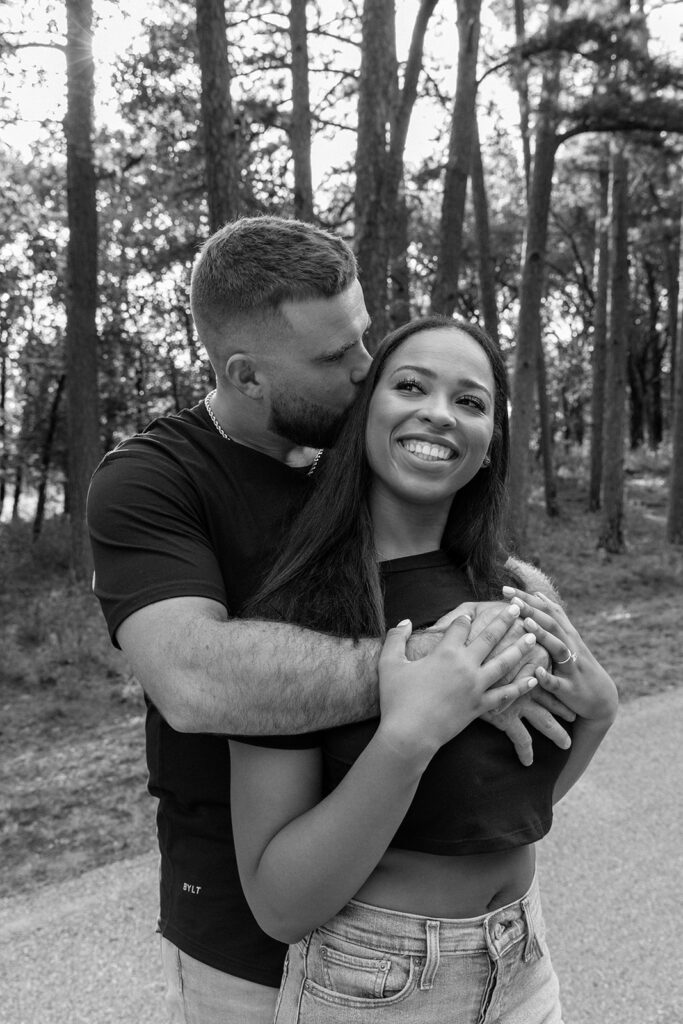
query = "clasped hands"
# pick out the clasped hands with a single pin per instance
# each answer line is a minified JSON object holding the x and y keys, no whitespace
{"x":537,"y":707}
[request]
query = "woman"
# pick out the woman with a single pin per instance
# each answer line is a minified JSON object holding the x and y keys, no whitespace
{"x":397,"y":856}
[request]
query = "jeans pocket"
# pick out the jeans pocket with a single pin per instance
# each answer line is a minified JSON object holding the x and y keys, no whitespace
{"x":339,"y":970}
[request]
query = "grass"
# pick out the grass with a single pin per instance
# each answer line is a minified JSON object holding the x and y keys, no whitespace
{"x":72,"y":768}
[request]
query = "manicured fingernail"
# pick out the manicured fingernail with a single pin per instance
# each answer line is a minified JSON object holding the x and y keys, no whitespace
{"x":518,"y":601}
{"x":541,"y":673}
{"x":508,"y":591}
{"x":529,"y":639}
{"x":530,"y":624}
{"x":530,"y":683}
{"x":403,"y":622}
{"x":512,"y":611}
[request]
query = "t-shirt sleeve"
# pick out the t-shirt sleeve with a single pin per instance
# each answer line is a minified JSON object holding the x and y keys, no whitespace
{"x":147,"y":532}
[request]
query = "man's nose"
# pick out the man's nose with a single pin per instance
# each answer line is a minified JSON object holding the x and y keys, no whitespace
{"x":360,"y":370}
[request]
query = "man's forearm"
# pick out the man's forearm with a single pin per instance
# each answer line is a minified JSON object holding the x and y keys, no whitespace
{"x":247,"y":677}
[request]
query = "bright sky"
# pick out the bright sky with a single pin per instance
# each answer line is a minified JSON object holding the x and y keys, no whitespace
{"x":42,"y":94}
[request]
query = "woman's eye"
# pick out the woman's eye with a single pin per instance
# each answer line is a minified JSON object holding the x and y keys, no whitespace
{"x":472,"y":400}
{"x":409,"y":385}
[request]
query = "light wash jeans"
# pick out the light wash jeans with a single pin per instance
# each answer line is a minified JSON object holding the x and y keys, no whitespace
{"x":368,"y":965}
{"x":199,"y":994}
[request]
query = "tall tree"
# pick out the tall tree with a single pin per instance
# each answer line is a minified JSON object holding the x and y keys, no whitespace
{"x":485,"y":258}
{"x":46,"y":456}
{"x":384,"y":113}
{"x":522,"y":86}
{"x":674,"y":522}
{"x":402,"y":108}
{"x":528,"y":348}
{"x":611,"y":536}
{"x":599,"y":352}
{"x":81,"y":290}
{"x":460,"y":151}
{"x":519,"y":70}
{"x":377,"y":75}
{"x":300,"y":131}
{"x":217,"y":115}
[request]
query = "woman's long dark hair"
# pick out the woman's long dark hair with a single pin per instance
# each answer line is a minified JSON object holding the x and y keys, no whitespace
{"x":327,"y":577}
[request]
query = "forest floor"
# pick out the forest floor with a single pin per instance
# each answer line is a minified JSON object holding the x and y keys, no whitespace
{"x":72,"y":769}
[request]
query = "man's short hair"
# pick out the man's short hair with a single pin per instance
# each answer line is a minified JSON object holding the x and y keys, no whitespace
{"x":252,"y":265}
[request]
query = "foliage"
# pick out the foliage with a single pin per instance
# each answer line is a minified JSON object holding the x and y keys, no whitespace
{"x":153,"y":216}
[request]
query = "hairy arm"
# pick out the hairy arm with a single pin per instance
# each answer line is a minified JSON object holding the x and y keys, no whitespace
{"x":208,"y":673}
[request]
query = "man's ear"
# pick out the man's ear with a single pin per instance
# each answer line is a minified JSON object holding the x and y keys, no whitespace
{"x":243,"y":373}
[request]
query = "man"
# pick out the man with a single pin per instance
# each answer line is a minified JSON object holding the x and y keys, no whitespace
{"x":183,"y":518}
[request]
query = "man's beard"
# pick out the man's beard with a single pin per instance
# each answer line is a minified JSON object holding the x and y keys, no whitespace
{"x":305,"y":423}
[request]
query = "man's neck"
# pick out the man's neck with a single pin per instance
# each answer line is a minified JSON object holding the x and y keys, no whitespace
{"x":240,"y":420}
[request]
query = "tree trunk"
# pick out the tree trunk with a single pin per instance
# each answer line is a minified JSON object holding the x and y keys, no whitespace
{"x":599,"y":353}
{"x":486,"y":261}
{"x":652,"y":363}
{"x":18,"y":486}
{"x":654,"y":414}
{"x":46,"y":457}
{"x":371,"y":215}
{"x":3,"y":427}
{"x":674,"y":286}
{"x":674,"y":522}
{"x":549,"y":484}
{"x":460,"y":149}
{"x":611,"y":535}
{"x":383,"y":119}
{"x":522,"y":87}
{"x":81,"y":276}
{"x":220,"y":159}
{"x":401,"y":110}
{"x":300,"y":132}
{"x":635,"y":370}
{"x":531,"y":293}
{"x":399,"y":272}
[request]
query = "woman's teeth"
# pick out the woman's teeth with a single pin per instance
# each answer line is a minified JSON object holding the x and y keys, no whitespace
{"x":429,"y":452}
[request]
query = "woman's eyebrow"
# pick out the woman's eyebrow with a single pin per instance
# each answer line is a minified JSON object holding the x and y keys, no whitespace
{"x":463,"y":382}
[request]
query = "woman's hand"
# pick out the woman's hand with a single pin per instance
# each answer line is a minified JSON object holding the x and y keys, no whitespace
{"x":425,"y":703}
{"x":577,"y":678}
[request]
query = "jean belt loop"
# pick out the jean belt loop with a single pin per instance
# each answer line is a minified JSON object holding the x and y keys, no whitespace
{"x":432,"y":962}
{"x":490,"y":942}
{"x":531,"y":946}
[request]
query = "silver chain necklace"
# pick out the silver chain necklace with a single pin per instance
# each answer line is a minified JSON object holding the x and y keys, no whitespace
{"x":212,"y":415}
{"x":207,"y":403}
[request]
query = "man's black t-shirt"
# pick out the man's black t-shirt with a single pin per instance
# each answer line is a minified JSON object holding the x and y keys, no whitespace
{"x":179,"y":511}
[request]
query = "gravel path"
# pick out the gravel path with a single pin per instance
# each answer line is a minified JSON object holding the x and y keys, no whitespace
{"x":85,"y":951}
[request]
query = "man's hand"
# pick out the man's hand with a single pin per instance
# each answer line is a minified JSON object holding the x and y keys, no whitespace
{"x":533,"y":708}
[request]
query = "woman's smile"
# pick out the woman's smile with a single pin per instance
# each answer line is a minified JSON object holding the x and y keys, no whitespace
{"x":428,"y":451}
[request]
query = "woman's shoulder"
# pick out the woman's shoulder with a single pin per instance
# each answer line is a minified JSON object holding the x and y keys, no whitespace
{"x":532,"y":578}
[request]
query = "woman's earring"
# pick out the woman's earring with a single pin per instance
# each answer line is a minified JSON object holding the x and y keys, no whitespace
{"x":487,"y":461}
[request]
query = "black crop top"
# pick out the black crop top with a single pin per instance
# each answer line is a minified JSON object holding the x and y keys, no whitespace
{"x":475,"y":796}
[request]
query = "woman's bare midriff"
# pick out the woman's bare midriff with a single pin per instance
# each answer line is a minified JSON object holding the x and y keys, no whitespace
{"x":434,"y":886}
